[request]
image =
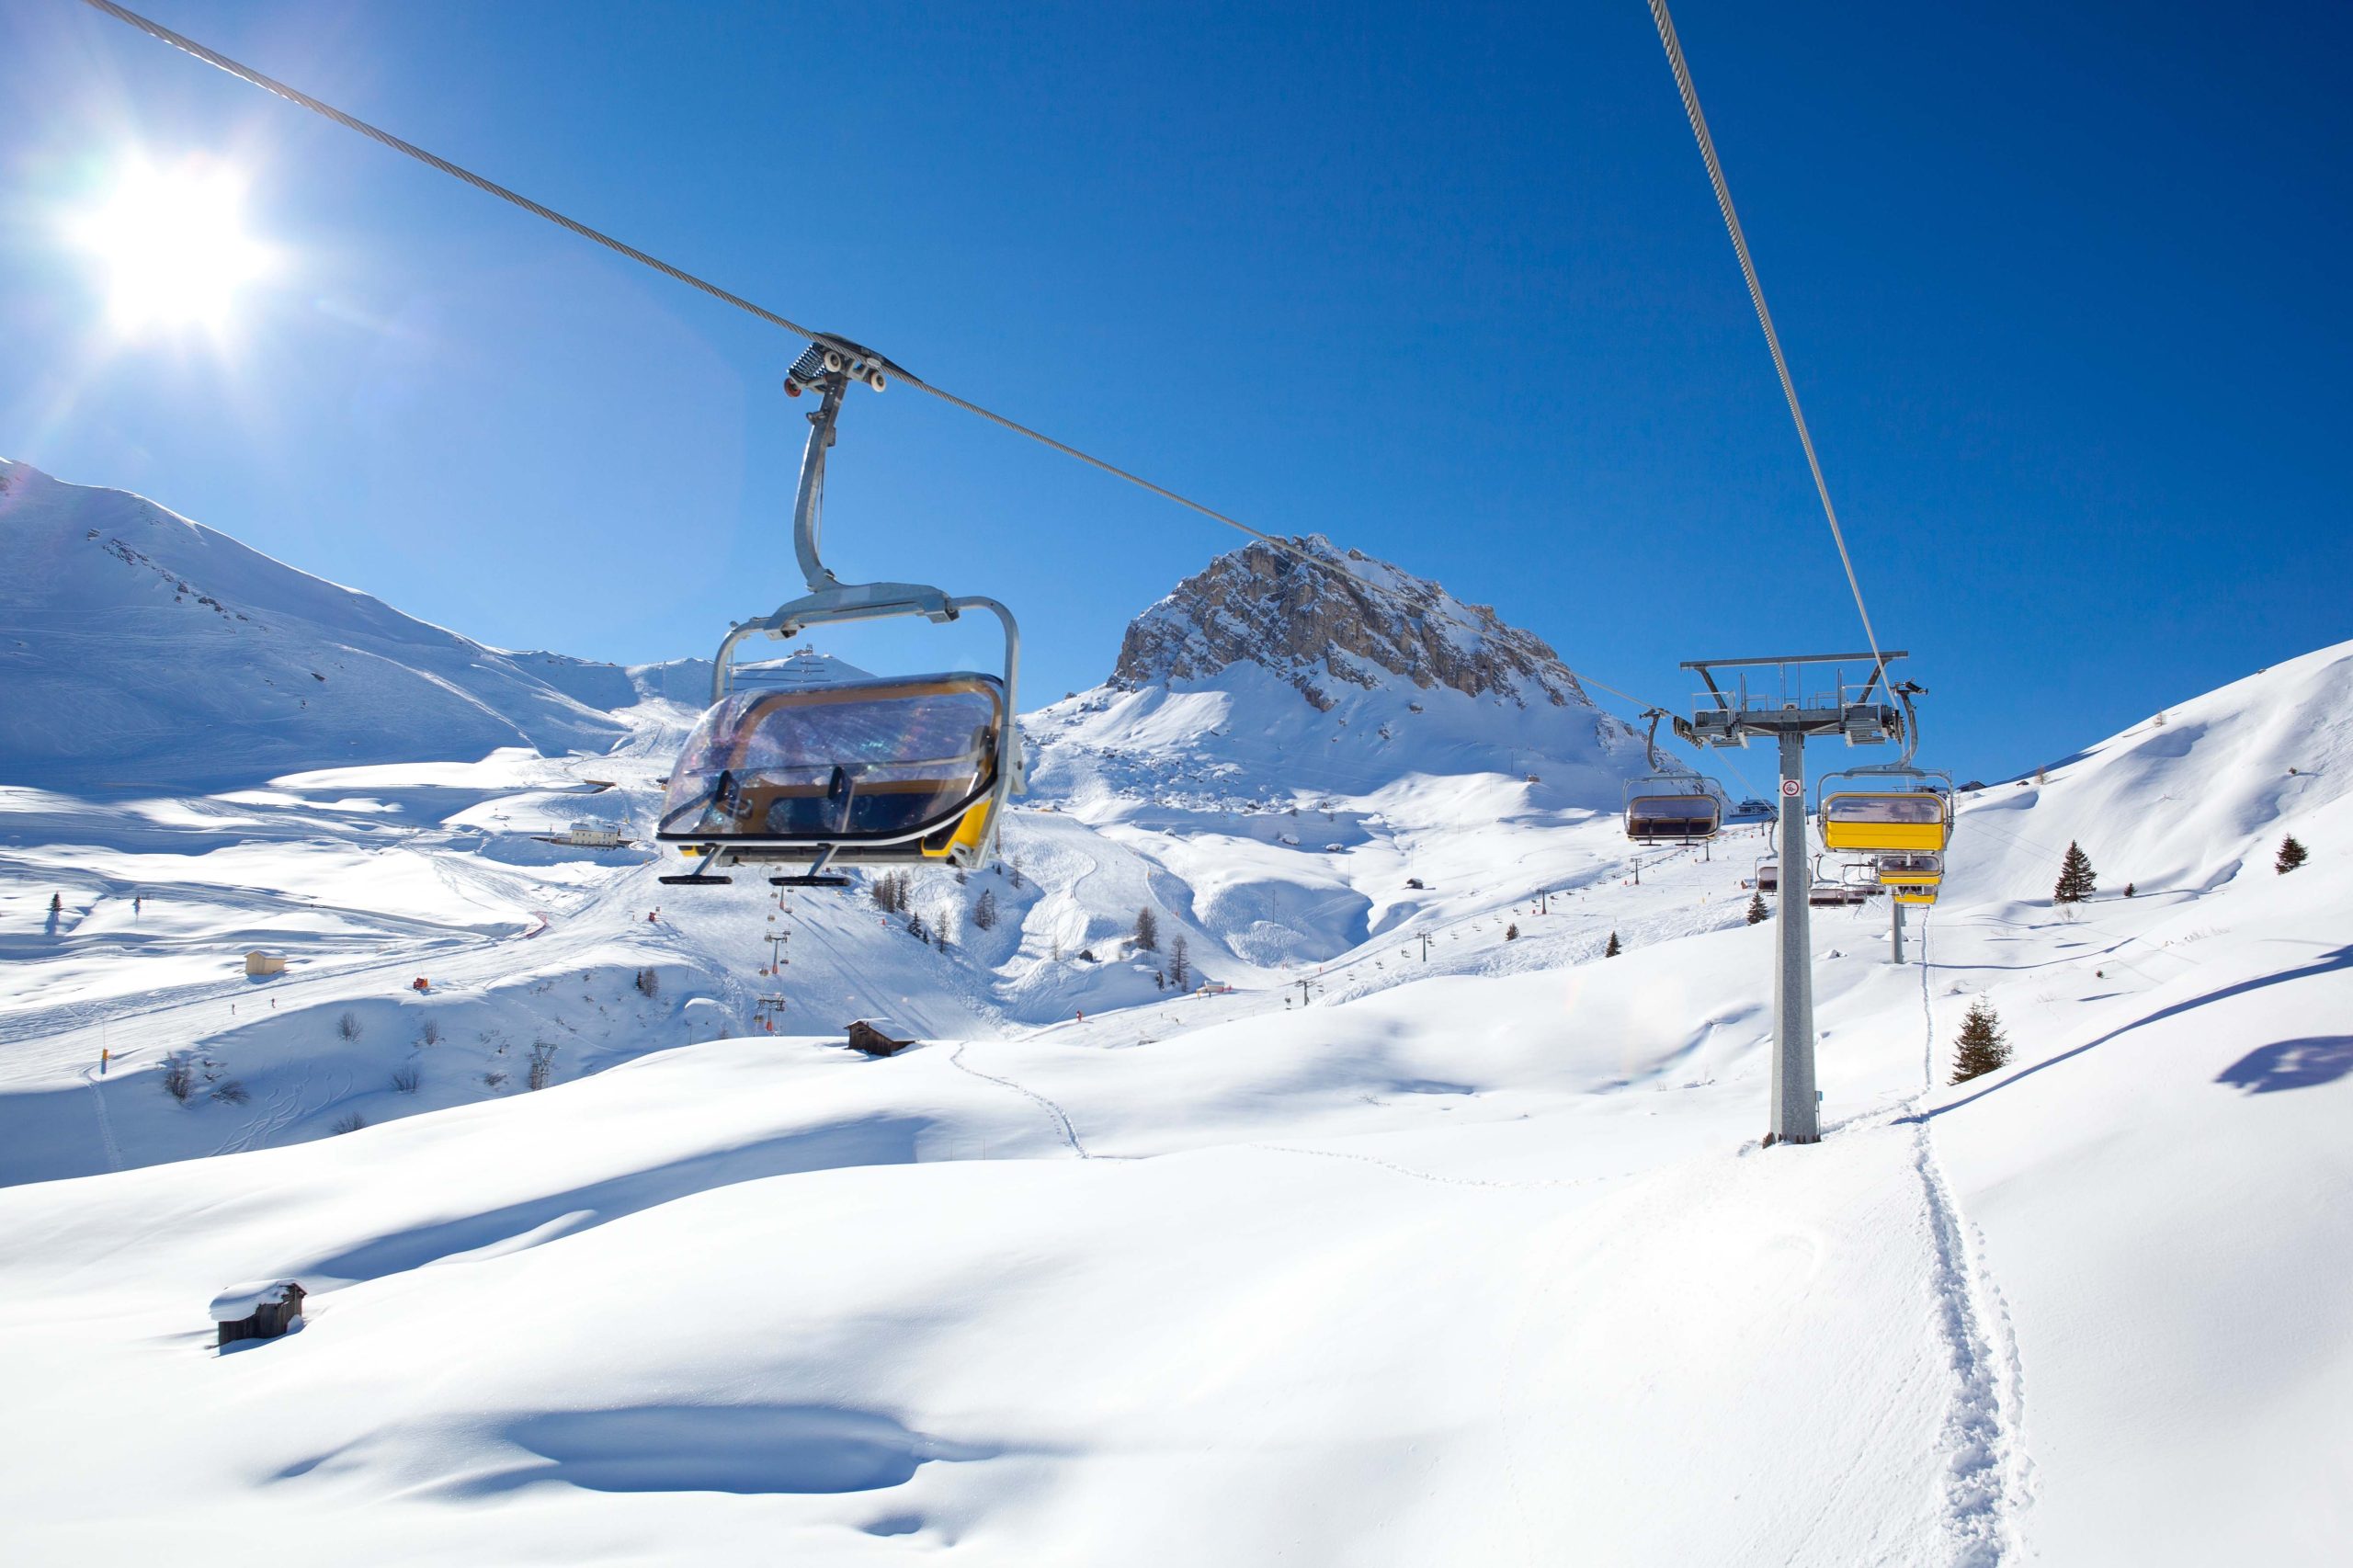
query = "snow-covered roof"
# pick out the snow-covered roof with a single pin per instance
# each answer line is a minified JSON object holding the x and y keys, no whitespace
{"x":243,"y":1300}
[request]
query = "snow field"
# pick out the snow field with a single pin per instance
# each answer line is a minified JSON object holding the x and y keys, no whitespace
{"x":1466,"y":1257}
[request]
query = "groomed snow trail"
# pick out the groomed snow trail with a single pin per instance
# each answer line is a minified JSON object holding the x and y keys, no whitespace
{"x":1985,"y":1482}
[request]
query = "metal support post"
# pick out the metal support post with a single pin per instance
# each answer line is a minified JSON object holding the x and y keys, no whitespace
{"x":1796,"y":1118}
{"x":1861,"y":714}
{"x":1896,"y":927}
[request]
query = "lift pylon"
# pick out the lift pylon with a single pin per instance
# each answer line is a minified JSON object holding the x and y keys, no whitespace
{"x":1791,"y":708}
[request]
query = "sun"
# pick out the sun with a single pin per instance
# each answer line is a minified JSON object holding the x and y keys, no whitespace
{"x":174,"y":244}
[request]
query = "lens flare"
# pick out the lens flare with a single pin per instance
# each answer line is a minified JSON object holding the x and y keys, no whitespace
{"x":174,"y":245}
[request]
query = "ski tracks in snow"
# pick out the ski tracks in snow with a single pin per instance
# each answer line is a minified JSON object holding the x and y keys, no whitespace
{"x":1987,"y":1482}
{"x":106,"y":1123}
{"x":1061,"y":1116}
{"x":1985,"y":1479}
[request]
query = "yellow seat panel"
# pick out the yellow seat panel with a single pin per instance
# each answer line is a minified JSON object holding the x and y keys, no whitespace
{"x":1883,"y":835}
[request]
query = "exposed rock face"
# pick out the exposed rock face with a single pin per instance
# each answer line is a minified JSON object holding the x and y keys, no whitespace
{"x":1315,"y":627}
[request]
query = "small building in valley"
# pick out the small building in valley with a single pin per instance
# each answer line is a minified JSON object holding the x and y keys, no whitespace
{"x":262,"y":1310}
{"x":878,"y":1036}
{"x":260,"y":962}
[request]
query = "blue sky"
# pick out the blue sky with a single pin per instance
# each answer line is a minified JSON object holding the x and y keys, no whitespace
{"x":2061,"y":286}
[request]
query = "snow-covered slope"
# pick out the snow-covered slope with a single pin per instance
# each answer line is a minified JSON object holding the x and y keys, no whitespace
{"x":1439,"y":1237}
{"x":136,"y":646}
{"x":1483,"y":1267}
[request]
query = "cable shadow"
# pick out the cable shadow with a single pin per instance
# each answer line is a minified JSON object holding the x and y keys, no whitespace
{"x":2340,"y":959}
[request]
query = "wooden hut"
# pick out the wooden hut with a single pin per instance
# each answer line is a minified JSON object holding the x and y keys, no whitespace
{"x":262,"y":1310}
{"x":878,"y":1036}
{"x":260,"y":962}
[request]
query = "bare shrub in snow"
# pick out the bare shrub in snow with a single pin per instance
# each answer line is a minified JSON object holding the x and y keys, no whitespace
{"x":350,"y":1121}
{"x":179,"y":1077}
{"x":347,"y":1026}
{"x":405,"y":1081}
{"x":429,"y":1032}
{"x":492,"y":1080}
{"x":542,"y":1068}
{"x":231,"y":1093}
{"x":649,"y":983}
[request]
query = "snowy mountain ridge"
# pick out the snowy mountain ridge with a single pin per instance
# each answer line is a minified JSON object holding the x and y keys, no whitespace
{"x":270,"y":669}
{"x":1319,"y":628}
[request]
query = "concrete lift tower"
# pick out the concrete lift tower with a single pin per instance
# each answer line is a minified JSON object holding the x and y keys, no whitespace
{"x":1793,"y":709}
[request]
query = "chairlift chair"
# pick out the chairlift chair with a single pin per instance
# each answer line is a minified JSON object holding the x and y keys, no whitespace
{"x":1914,"y":895}
{"x":1913,"y":819}
{"x":1918,"y":867}
{"x":894,"y":771}
{"x":1893,"y":807}
{"x":1673,"y":805}
{"x":1768,"y":876}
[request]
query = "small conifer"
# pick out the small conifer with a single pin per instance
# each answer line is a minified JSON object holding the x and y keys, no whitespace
{"x":1147,"y":930}
{"x":1981,"y":1046}
{"x":2292,"y":855}
{"x":1757,"y":914}
{"x":2130,"y":889}
{"x":1612,"y":950}
{"x":1511,"y":932}
{"x":2076,"y":878}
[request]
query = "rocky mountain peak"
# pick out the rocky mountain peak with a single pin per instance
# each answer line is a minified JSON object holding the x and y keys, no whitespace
{"x":1319,"y":629}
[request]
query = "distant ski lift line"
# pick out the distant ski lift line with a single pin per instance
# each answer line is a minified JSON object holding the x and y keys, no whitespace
{"x":270,"y":84}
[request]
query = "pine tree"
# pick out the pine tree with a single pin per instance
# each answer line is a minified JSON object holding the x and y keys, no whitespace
{"x":1180,"y":962}
{"x":1757,"y":914}
{"x":1147,"y":930}
{"x":1511,"y":932}
{"x":1981,"y":1046}
{"x":985,"y":912}
{"x":2292,"y":855}
{"x":1159,"y":980}
{"x":2077,"y":878}
{"x":1613,"y":949}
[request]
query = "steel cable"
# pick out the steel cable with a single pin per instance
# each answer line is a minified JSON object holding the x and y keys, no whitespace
{"x":1757,"y":297}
